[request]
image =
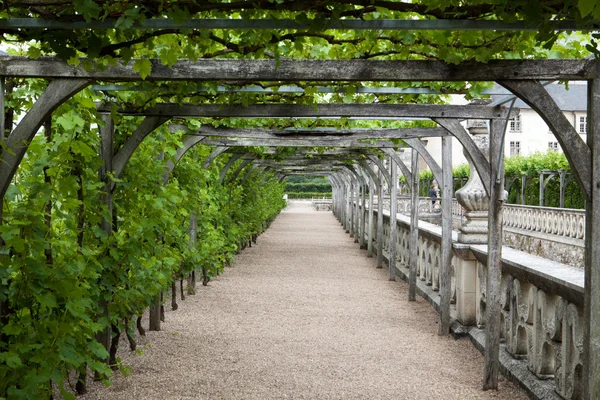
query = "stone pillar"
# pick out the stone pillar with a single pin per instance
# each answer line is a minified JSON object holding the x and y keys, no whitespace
{"x":473,"y":198}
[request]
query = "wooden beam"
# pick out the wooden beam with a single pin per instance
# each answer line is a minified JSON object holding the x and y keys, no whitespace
{"x":473,"y":152}
{"x":296,"y":143}
{"x":56,"y":93}
{"x":370,"y":223}
{"x":577,"y":152}
{"x":147,"y":126}
{"x":591,"y":307}
{"x":446,"y":245}
{"x":413,"y":241}
{"x":394,"y":156}
{"x":393,"y":219}
{"x":429,"y":160}
{"x":213,"y":155}
{"x":372,"y":110}
{"x":230,"y":162}
{"x":324,"y":134}
{"x":380,"y":218}
{"x":307,"y":70}
{"x":493,"y":305}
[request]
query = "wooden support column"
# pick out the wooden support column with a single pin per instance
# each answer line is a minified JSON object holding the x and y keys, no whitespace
{"x":106,"y":154}
{"x":363,"y":213}
{"x":413,"y":243}
{"x":393,"y":220}
{"x":193,"y":234}
{"x":2,"y":137}
{"x":154,"y":313}
{"x":591,"y":307}
{"x":348,"y":219}
{"x":352,"y":212}
{"x":446,"y":245}
{"x":563,"y":186}
{"x":494,"y":262}
{"x":370,"y":224}
{"x":380,"y":221}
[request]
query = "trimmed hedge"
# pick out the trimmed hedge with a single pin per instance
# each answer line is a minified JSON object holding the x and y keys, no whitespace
{"x":315,"y":187}
{"x":308,"y":195}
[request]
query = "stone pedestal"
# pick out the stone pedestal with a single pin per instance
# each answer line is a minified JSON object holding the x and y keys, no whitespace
{"x":466,"y":281}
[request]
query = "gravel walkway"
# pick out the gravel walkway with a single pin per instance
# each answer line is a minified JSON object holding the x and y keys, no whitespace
{"x":304,"y":314}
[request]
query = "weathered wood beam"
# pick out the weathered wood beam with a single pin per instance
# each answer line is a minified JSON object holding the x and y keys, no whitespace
{"x":307,"y":70}
{"x":189,"y":141}
{"x":380,"y":219}
{"x":122,"y":156}
{"x":325,"y":134}
{"x":296,"y":143}
{"x":213,"y":155}
{"x":393,"y":220}
{"x":413,"y":242}
{"x":577,"y":152}
{"x":493,"y":310}
{"x":393,"y":111}
{"x":446,"y":245}
{"x":57,"y":92}
{"x":107,"y":133}
{"x":230,"y":162}
{"x":591,"y":307}
{"x":477,"y":157}
{"x":394,"y":156}
{"x":429,"y":160}
{"x":370,"y":223}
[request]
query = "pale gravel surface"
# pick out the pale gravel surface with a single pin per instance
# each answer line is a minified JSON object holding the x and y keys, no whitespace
{"x":304,"y":314}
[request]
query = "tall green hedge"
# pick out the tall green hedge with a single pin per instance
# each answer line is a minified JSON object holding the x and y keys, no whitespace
{"x":528,"y":166}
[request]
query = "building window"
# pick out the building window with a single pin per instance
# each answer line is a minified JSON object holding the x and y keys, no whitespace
{"x":582,"y":124}
{"x":515,"y":148}
{"x":552,"y":146}
{"x":515,"y":124}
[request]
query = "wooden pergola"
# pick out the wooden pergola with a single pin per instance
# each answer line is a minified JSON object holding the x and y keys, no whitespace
{"x":349,"y":170}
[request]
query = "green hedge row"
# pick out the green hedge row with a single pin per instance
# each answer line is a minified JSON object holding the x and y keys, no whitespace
{"x":308,"y":195}
{"x":317,"y":187}
{"x":529,"y":167}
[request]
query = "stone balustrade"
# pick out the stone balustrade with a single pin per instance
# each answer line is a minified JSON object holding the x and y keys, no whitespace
{"x":555,"y":233}
{"x":542,"y":305}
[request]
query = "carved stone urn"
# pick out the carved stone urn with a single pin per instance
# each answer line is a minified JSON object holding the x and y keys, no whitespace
{"x":472,"y":197}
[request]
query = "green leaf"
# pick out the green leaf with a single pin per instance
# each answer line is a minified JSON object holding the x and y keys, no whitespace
{"x":11,"y":359}
{"x":143,"y":66}
{"x":88,"y":8}
{"x":586,"y":7}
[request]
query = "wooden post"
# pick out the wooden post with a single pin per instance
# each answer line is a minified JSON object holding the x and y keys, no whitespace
{"x":494,"y":262}
{"x":561,"y":201}
{"x":446,"y":245}
{"x":348,"y":218}
{"x":106,"y":153}
{"x":542,"y":187}
{"x":414,"y":226}
{"x":154,"y":313}
{"x":363,"y":213}
{"x":393,"y":220}
{"x":591,"y":307}
{"x":380,"y":222}
{"x":193,"y":234}
{"x":370,"y":225}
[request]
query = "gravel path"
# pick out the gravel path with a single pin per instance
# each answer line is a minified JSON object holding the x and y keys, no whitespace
{"x":304,"y":314}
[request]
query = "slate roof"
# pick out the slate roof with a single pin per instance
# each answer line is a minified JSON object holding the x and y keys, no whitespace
{"x":574,"y":99}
